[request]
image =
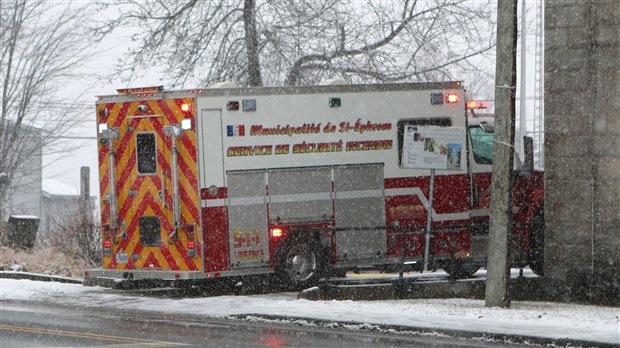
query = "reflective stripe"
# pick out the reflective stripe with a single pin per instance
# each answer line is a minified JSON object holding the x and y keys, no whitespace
{"x":359,"y":194}
{"x":210,"y":203}
{"x":301,"y":197}
{"x":480,"y":212}
{"x":144,"y":116}
{"x":416,"y":191}
{"x":246,"y":200}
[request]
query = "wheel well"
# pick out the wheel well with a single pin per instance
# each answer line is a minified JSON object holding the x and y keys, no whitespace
{"x":534,"y":228}
{"x":302,"y":234}
{"x":294,"y":238}
{"x":536,"y":232}
{"x":537,"y":243}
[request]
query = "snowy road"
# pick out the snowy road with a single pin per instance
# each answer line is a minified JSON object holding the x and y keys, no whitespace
{"x":559,"y":323}
{"x":27,"y":325}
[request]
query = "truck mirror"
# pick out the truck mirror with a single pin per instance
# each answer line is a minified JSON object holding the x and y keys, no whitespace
{"x":487,"y":127}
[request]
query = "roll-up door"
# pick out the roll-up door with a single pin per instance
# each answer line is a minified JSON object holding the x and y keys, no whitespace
{"x":249,"y":243}
{"x":360,"y":210}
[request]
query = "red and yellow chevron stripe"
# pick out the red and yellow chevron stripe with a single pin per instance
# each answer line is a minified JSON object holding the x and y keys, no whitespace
{"x":139,"y":195}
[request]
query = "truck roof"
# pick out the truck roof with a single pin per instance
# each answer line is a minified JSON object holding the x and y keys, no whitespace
{"x":157,"y":94}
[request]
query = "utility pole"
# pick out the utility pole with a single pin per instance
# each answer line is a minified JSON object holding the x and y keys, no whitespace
{"x":498,"y":260}
{"x":85,"y":183}
{"x":522,"y":76}
{"x":84,"y":202}
{"x":4,"y":182}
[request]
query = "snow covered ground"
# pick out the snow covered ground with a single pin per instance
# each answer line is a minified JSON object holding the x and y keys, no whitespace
{"x":536,"y":319}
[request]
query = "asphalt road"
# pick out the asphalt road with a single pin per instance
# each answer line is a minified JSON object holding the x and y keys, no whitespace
{"x":30,"y":325}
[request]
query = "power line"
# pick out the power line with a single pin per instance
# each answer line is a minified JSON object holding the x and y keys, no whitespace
{"x":70,"y":137}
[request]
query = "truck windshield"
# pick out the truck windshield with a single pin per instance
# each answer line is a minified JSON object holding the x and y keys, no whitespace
{"x":482,"y":145}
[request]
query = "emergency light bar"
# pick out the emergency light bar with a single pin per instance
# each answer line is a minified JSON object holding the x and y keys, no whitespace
{"x":140,"y":89}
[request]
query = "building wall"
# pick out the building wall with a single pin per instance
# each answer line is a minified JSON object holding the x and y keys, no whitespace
{"x":582,"y":150}
{"x":58,"y":210}
{"x":25,"y":191}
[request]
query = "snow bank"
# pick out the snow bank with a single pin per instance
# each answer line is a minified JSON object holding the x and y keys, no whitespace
{"x":538,"y":319}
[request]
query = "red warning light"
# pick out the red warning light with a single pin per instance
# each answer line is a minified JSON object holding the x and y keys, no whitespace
{"x":232,"y":105}
{"x":190,"y":244}
{"x":107,"y":244}
{"x":474,"y":104}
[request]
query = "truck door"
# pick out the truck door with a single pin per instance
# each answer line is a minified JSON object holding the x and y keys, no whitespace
{"x":481,"y":161}
{"x":149,"y":215}
{"x":155,"y":188}
{"x":135,"y":183}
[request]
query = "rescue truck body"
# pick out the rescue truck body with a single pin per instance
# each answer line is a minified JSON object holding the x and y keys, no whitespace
{"x":299,"y":182}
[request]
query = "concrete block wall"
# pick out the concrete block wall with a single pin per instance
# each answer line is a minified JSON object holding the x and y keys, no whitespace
{"x":582,"y":150}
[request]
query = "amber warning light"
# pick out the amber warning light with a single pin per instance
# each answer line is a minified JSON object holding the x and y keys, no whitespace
{"x":276,"y":232}
{"x":452,"y":98}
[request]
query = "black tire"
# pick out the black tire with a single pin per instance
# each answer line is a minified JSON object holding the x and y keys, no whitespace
{"x":300,"y":262}
{"x":537,"y":244}
{"x":459,"y":269}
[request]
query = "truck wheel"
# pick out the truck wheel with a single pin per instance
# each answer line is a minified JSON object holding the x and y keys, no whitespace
{"x":537,"y":244}
{"x":459,"y":269}
{"x":299,"y":263}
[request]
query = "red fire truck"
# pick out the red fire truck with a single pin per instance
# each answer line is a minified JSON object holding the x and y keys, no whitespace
{"x":300,"y":182}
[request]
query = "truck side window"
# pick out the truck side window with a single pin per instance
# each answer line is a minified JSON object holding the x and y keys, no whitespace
{"x":482,"y":145}
{"x":146,"y":153}
{"x":427,"y":121}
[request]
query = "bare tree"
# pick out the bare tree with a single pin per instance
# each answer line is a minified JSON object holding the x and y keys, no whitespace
{"x":80,"y":234}
{"x":390,"y":41}
{"x":255,"y":42}
{"x":42,"y":43}
{"x":189,"y":37}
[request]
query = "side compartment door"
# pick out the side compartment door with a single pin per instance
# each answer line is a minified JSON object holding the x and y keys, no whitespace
{"x":300,"y":195}
{"x":214,"y":207}
{"x":360,"y":210}
{"x":249,"y":243}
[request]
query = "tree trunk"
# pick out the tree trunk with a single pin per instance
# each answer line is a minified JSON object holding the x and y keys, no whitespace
{"x":251,"y":43}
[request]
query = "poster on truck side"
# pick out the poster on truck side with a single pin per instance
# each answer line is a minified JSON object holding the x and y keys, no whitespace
{"x":433,"y":147}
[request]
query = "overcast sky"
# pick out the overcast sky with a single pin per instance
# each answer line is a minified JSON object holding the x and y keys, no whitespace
{"x":66,"y":168}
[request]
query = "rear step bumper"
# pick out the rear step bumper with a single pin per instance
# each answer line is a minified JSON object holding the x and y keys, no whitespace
{"x":107,"y":277}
